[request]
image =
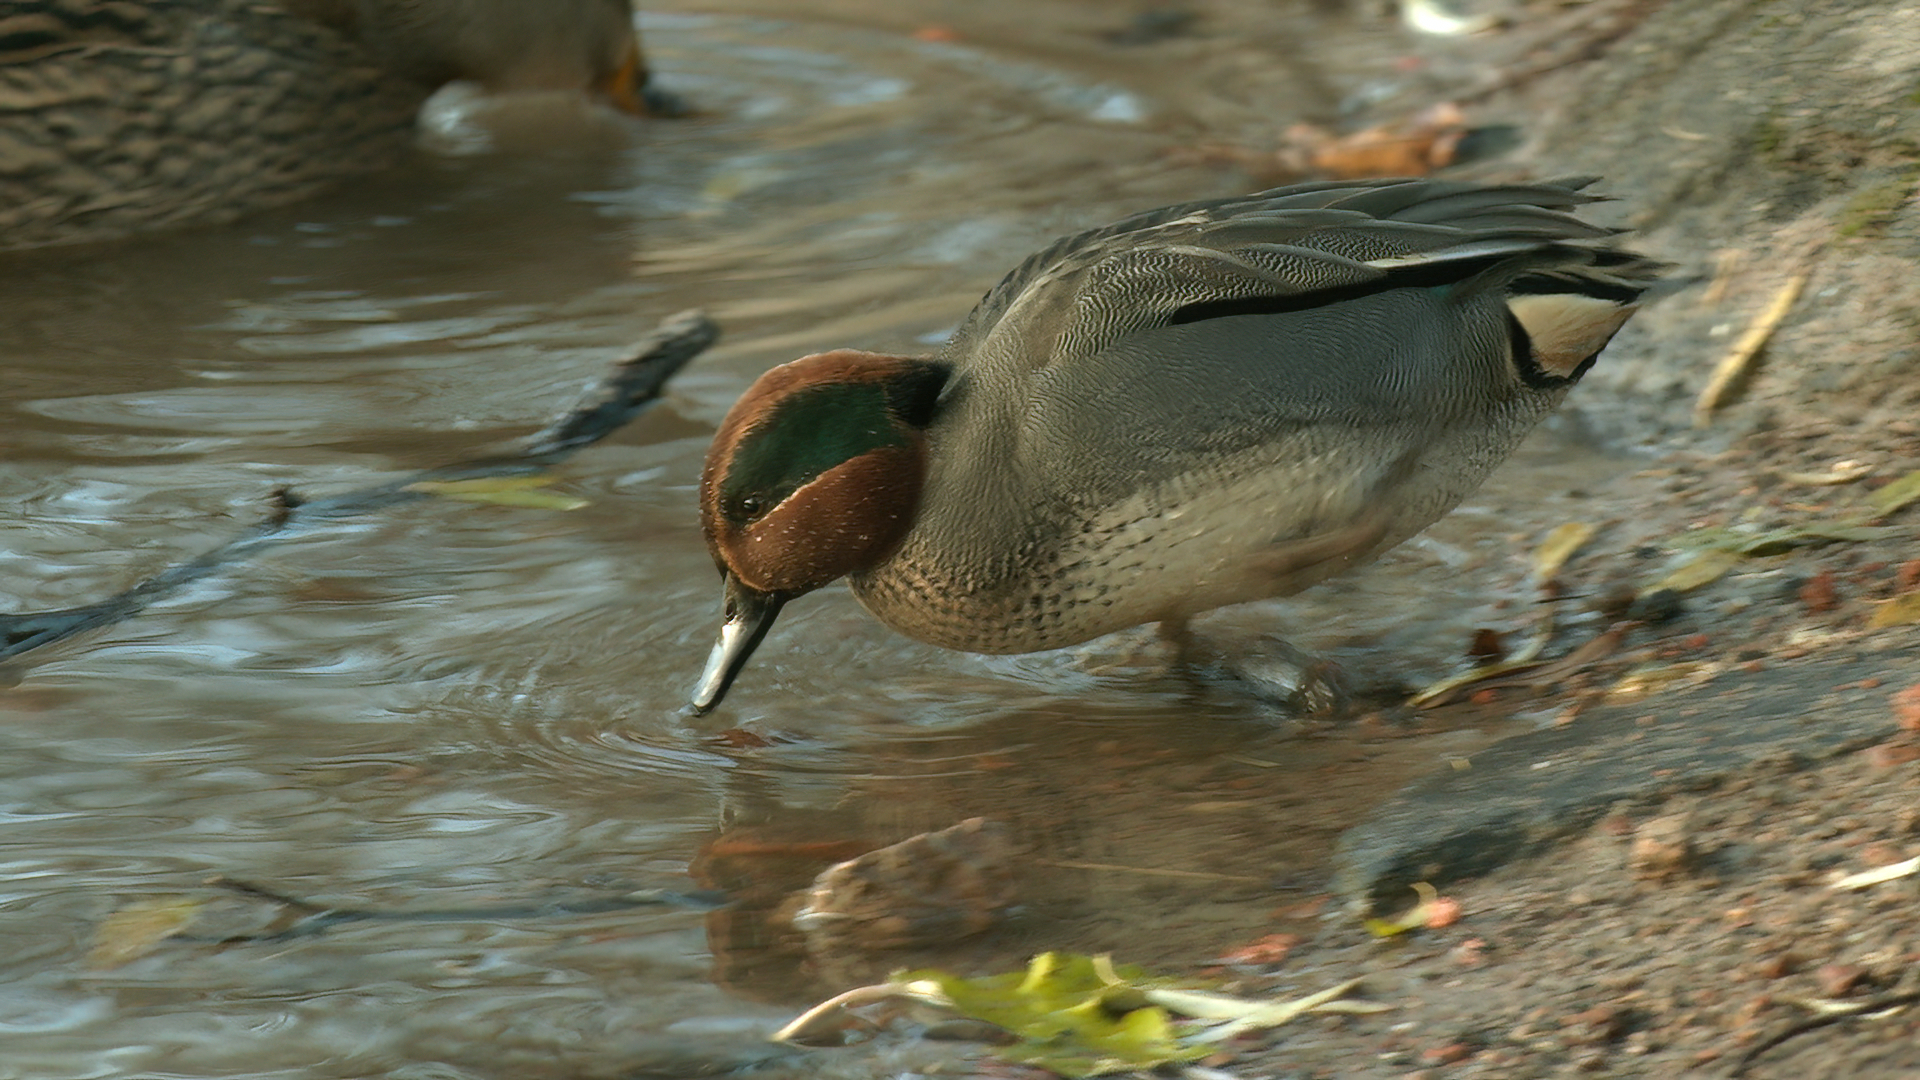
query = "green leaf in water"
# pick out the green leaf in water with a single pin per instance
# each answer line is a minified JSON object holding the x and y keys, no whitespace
{"x":1784,"y":539}
{"x":1897,"y":494}
{"x":1703,"y":568}
{"x":1075,"y":1015}
{"x":521,"y":491}
{"x":138,"y":928}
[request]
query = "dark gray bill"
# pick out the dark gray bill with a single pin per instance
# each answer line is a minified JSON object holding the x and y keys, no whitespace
{"x":749,"y":615}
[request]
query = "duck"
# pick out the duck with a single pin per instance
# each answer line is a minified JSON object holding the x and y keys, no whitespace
{"x":1195,"y":406}
{"x":125,"y":116}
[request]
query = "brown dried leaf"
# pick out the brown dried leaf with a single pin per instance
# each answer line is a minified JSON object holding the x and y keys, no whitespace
{"x":1414,"y":148}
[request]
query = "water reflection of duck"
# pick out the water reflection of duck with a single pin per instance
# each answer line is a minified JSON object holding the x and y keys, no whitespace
{"x":126,"y":115}
{"x":1196,"y":406}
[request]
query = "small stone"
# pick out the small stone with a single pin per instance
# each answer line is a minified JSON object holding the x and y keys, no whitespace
{"x":1907,"y":578}
{"x":1881,"y":853}
{"x":1487,"y":646}
{"x":1818,"y":594}
{"x":1443,"y":912}
{"x":1599,"y":1024}
{"x":1893,"y":753}
{"x":1450,"y":1054}
{"x":1271,"y":949}
{"x":1469,"y":953}
{"x":932,"y":888}
{"x":1778,"y":966}
{"x":1590,"y":1061}
{"x":1839,"y":980}
{"x":1662,"y":848}
{"x":1906,"y":707}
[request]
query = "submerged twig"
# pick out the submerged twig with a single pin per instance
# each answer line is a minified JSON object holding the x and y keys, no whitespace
{"x":1853,"y":1009}
{"x":618,"y":398}
{"x":310,"y":919}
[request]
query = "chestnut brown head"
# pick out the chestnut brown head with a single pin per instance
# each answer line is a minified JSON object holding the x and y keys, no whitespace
{"x":814,"y":474}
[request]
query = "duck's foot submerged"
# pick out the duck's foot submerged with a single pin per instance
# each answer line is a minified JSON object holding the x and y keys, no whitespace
{"x":1300,"y":683}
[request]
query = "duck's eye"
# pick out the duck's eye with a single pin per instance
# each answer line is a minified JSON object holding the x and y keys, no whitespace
{"x":746,"y":508}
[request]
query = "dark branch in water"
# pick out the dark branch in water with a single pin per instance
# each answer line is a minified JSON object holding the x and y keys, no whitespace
{"x":303,"y":918}
{"x":1851,"y":1011}
{"x":622,"y":395}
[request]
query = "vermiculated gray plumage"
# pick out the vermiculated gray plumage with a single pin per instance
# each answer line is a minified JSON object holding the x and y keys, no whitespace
{"x":1229,"y":400}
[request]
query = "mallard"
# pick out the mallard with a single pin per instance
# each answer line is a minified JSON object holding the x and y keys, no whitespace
{"x":129,"y":115}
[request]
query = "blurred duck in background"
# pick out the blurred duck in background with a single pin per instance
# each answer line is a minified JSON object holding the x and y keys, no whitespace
{"x":130,"y":115}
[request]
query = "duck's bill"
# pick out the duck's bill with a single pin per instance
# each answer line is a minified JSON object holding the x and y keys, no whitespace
{"x":749,"y":615}
{"x":625,"y":87}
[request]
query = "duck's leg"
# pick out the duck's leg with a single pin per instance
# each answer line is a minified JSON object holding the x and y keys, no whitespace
{"x":1272,"y":670}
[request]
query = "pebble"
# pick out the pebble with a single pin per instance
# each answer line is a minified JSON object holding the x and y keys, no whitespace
{"x":1448,"y":1054}
{"x":1662,"y":848}
{"x":1818,"y":594}
{"x":1906,"y":707}
{"x":1892,"y":753}
{"x":1839,"y":980}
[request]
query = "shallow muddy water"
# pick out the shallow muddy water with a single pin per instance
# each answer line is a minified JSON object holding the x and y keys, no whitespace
{"x":448,"y":706}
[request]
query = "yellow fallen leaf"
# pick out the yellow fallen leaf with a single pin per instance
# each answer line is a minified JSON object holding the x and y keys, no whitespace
{"x":1559,"y":545}
{"x":1897,"y":494}
{"x":1414,"y":919}
{"x":1901,"y":611}
{"x":1703,"y":569}
{"x":1738,"y":362}
{"x":138,"y":929}
{"x":1654,"y":678}
{"x":1524,"y":660}
{"x":519,"y":491}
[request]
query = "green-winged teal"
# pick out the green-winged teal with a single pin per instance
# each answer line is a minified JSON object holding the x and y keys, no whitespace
{"x":1195,"y":406}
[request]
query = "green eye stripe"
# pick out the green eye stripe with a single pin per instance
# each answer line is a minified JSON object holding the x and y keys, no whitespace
{"x":804,"y":436}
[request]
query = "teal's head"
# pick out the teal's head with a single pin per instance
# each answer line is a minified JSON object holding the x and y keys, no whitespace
{"x":814,"y":474}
